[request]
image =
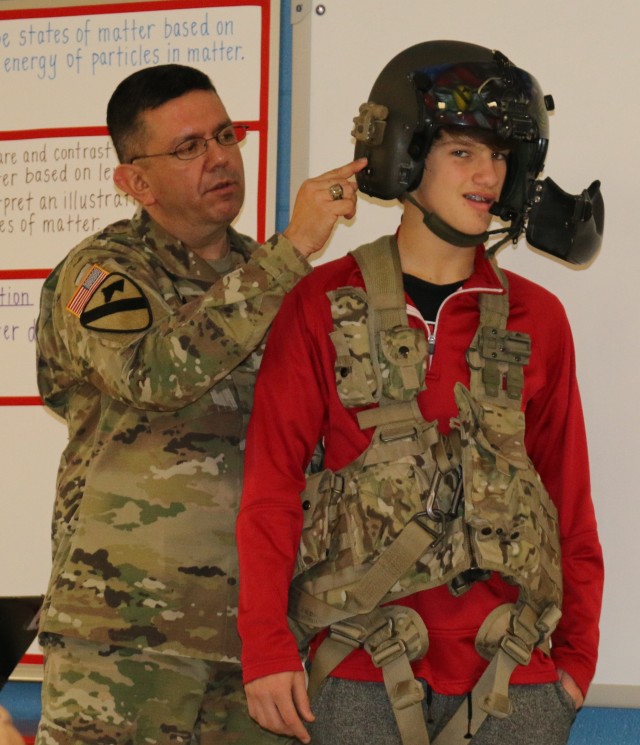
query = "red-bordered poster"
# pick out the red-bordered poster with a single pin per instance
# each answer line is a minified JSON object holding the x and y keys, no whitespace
{"x":58,"y":68}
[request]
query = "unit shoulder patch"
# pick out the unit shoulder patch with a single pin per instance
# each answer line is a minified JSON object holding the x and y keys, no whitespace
{"x":110,"y":301}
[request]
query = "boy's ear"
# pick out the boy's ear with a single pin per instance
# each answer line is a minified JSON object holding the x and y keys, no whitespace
{"x":130,"y":178}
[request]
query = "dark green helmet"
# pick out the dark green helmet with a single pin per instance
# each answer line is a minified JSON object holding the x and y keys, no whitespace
{"x":440,"y":84}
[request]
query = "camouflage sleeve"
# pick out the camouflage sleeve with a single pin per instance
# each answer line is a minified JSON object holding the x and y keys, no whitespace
{"x":137,"y":341}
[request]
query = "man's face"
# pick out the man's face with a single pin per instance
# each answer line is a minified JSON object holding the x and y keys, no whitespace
{"x":192,"y":199}
{"x":463,"y":178}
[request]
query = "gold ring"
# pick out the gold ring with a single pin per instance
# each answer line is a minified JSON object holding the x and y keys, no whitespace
{"x":336,"y":191}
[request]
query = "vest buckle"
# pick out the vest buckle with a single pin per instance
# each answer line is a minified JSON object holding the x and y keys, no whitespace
{"x":355,"y":634}
{"x":404,"y":634}
{"x":387,"y":652}
{"x":516,"y":649}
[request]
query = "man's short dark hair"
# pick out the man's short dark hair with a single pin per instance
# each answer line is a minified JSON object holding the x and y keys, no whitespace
{"x":143,"y":90}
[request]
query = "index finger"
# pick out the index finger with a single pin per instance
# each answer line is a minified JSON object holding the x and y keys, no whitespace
{"x":349,"y":169}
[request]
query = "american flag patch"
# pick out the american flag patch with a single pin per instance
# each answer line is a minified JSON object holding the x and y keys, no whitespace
{"x":92,"y":280}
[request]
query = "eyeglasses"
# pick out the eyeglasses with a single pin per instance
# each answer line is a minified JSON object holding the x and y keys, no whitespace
{"x":232,"y":134}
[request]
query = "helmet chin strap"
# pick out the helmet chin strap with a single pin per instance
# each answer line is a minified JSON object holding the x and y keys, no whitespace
{"x":445,"y":231}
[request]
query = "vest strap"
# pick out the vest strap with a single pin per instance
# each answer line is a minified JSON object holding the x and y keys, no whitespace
{"x":414,"y":541}
{"x":507,"y":637}
{"x":489,"y":696}
{"x":393,"y":635}
{"x":393,"y":412}
{"x":497,"y":356}
{"x":379,"y":263}
{"x":381,"y":270}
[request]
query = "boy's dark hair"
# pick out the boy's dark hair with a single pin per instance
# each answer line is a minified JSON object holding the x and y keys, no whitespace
{"x":143,"y":90}
{"x":485,"y":136}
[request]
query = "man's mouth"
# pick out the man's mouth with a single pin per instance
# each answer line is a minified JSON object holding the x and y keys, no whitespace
{"x":221,"y":186}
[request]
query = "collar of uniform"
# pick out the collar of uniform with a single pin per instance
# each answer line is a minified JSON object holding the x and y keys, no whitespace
{"x":176,"y":258}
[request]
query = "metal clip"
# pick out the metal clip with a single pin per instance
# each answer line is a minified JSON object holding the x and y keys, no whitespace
{"x":432,"y":494}
{"x":458,"y":493}
{"x":430,"y":511}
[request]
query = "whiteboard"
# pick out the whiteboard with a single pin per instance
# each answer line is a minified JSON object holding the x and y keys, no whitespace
{"x":59,"y":64}
{"x":586,"y":55}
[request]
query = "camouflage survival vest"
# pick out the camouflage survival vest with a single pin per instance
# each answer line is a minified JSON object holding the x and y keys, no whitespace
{"x":418,"y":509}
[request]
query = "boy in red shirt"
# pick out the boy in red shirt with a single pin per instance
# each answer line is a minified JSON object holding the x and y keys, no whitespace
{"x":458,"y":134}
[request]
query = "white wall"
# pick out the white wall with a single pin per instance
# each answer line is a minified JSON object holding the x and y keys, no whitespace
{"x":586,"y":55}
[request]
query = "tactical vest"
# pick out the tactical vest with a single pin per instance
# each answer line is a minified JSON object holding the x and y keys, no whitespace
{"x":418,"y":509}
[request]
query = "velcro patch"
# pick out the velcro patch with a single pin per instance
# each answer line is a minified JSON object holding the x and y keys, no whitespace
{"x":94,"y":277}
{"x":120,"y":306}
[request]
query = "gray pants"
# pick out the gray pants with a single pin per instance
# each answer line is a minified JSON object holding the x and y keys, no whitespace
{"x":354,"y":713}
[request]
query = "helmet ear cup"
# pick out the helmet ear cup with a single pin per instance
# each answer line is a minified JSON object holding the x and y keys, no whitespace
{"x":418,"y":147}
{"x":417,"y":150}
{"x":394,"y":165}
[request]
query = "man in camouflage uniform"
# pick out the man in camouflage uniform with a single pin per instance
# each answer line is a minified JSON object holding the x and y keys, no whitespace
{"x":149,"y":337}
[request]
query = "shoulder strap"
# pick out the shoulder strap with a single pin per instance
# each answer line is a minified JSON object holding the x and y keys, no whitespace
{"x":494,"y":307}
{"x":497,"y":356}
{"x":379,"y":263}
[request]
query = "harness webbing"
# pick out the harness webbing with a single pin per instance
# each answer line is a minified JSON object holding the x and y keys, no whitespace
{"x":392,"y":634}
{"x":385,"y":293}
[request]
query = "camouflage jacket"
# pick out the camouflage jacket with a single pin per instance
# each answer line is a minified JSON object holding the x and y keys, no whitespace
{"x":150,"y":353}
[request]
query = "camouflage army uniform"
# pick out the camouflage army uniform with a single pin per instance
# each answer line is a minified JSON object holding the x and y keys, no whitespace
{"x":150,"y":352}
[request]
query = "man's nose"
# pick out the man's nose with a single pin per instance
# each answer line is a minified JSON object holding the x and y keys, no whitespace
{"x":215,"y":152}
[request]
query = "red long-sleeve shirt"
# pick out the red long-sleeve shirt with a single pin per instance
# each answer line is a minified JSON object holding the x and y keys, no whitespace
{"x":296,"y":404}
